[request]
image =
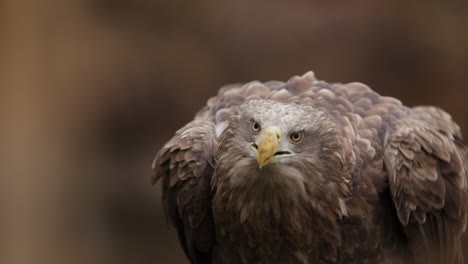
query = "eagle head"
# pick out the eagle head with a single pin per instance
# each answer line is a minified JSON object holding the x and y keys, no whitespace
{"x":276,"y":148}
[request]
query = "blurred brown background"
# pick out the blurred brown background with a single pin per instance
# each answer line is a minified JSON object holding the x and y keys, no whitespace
{"x":90,"y":89}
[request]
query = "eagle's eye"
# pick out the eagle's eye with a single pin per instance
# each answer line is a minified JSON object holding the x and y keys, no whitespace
{"x":255,"y":127}
{"x":296,"y":137}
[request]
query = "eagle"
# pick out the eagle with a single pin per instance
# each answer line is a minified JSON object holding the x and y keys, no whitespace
{"x":306,"y":171}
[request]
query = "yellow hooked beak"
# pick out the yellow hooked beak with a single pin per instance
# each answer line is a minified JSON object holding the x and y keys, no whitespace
{"x":270,"y":141}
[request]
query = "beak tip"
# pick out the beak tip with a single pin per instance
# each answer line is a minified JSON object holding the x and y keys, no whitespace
{"x":260,"y":164}
{"x":263,"y":163}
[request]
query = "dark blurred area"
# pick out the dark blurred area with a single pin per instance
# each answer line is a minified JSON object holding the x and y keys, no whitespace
{"x":90,"y":89}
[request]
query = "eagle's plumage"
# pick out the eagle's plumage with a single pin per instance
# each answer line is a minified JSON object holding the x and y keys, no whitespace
{"x":311,"y":172}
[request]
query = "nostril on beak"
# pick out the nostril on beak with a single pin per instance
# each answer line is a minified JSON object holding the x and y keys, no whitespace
{"x":255,"y":146}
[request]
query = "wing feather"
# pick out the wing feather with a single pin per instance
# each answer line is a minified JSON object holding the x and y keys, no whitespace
{"x":426,"y":164}
{"x":185,"y":165}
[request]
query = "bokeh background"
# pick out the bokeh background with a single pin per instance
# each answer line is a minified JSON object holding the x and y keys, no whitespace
{"x":90,"y":89}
